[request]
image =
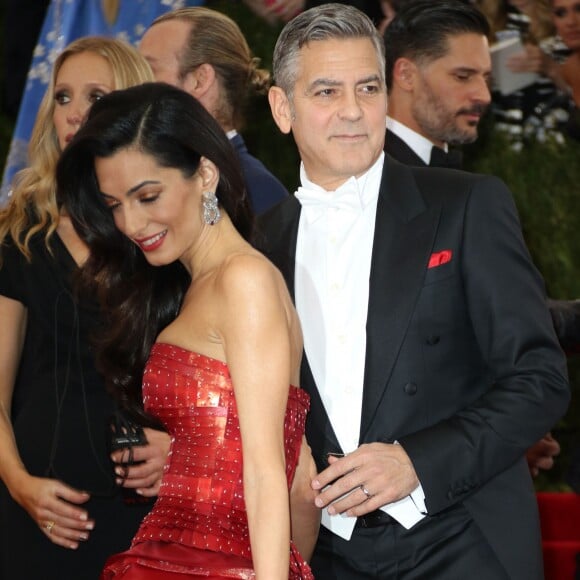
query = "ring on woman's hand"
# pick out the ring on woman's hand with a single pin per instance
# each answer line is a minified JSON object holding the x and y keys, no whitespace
{"x":366,"y":491}
{"x":49,"y":525}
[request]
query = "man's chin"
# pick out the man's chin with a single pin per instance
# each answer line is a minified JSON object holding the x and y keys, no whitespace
{"x":464,"y":137}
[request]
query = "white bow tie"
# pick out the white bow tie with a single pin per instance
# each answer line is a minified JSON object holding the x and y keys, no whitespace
{"x":315,"y":202}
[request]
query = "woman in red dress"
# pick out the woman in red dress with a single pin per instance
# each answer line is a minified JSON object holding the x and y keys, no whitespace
{"x":153,"y":187}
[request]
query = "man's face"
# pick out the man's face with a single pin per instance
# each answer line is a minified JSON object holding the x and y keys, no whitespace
{"x":337,"y":114}
{"x":452,"y":93}
{"x":162,"y":46}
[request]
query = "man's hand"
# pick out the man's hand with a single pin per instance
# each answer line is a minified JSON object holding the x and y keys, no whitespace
{"x":370,"y":477}
{"x":541,"y":454}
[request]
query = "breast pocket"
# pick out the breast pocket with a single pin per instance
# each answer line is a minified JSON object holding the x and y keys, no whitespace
{"x":439,"y":272}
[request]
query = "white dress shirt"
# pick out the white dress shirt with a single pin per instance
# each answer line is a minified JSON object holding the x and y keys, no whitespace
{"x":333,"y":262}
{"x":420,"y":145}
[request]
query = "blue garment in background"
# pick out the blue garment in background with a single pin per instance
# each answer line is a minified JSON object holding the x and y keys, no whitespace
{"x":65,"y":21}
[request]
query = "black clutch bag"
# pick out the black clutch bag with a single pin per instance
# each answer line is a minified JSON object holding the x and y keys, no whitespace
{"x":125,"y":434}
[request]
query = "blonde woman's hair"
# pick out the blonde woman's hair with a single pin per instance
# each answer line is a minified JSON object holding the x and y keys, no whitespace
{"x":33,"y":207}
{"x":215,"y":39}
{"x":541,"y":25}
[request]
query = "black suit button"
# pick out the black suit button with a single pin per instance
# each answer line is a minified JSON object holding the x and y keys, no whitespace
{"x":432,"y":340}
{"x":410,"y":388}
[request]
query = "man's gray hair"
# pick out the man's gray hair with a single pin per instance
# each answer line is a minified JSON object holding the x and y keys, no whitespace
{"x":326,"y":22}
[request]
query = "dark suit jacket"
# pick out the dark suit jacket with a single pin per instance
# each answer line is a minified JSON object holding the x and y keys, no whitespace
{"x":399,"y":150}
{"x":462,"y":364}
{"x":264,"y":189}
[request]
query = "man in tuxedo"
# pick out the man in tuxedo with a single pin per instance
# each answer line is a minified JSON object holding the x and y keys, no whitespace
{"x":203,"y":52}
{"x":430,"y":356}
{"x":438,"y":72}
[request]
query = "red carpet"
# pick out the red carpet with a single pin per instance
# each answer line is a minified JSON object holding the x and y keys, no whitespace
{"x":560,"y":520}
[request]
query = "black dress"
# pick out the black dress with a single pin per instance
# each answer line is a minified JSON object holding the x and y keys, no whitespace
{"x":60,"y":414}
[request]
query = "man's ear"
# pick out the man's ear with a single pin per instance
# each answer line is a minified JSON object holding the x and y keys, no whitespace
{"x":404,"y":73}
{"x":199,"y":81}
{"x":281,"y":109}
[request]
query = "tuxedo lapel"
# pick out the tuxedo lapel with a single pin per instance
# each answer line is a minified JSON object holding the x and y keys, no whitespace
{"x":277,"y":235}
{"x":277,"y":239}
{"x":319,"y":431}
{"x":400,"y":151}
{"x":404,"y":233}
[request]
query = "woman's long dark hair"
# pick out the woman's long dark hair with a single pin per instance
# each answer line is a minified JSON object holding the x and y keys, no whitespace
{"x":139,"y":300}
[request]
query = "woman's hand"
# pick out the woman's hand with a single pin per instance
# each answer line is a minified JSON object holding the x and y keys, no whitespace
{"x":145,"y":476}
{"x":48,"y":503}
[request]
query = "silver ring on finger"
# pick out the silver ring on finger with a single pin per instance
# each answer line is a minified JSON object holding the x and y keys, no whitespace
{"x":365,"y":491}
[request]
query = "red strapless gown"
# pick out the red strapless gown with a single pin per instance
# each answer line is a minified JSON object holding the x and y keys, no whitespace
{"x":198,"y":526}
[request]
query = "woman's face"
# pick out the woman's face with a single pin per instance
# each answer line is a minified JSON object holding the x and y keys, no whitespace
{"x":156,"y":207}
{"x":566,"y":14}
{"x":83,"y":78}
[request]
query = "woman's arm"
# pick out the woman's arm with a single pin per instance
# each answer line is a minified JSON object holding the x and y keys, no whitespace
{"x":304,"y":514}
{"x":258,"y":347}
{"x":45,"y":500}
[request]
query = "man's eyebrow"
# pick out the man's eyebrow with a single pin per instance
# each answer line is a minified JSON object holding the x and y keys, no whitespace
{"x":470,"y":70}
{"x":325,"y":82}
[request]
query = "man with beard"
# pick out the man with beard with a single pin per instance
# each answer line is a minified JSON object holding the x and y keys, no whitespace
{"x":438,"y":70}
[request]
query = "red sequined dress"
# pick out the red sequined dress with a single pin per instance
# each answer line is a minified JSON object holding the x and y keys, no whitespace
{"x":198,"y":526}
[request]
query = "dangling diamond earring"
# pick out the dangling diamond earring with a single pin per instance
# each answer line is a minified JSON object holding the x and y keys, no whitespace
{"x":211,"y":212}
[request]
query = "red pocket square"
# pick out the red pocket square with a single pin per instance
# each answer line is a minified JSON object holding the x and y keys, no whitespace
{"x":440,"y":258}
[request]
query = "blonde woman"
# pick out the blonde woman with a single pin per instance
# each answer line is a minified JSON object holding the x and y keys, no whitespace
{"x":62,"y":22}
{"x":60,"y":507}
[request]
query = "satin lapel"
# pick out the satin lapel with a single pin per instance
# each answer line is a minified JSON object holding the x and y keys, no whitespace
{"x":319,"y":432}
{"x":404,"y":235}
{"x":279,"y":233}
{"x":276,"y":238}
{"x":400,"y":151}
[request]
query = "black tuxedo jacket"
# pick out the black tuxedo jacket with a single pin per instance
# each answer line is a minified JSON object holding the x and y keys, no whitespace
{"x":399,"y":150}
{"x":462,"y":364}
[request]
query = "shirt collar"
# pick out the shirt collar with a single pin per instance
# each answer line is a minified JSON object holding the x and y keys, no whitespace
{"x":363,"y":185}
{"x":420,"y":145}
